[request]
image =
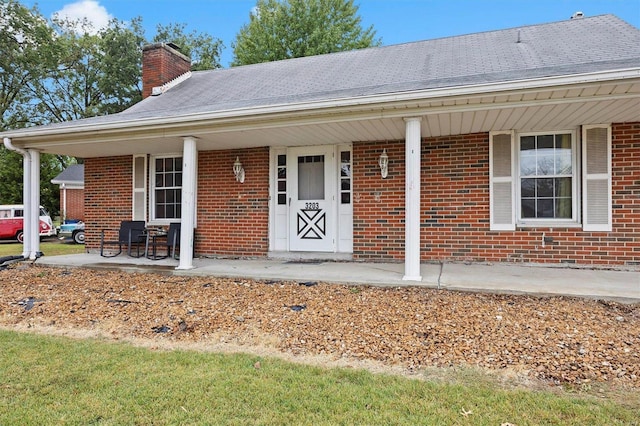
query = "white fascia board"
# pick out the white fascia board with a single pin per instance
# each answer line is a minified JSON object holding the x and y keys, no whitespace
{"x":372,"y":103}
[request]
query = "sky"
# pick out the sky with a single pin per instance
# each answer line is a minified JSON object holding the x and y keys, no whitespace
{"x":395,"y":21}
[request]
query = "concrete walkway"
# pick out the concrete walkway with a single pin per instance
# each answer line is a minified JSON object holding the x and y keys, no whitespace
{"x":620,"y":285}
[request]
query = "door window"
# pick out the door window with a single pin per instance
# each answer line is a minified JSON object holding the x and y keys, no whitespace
{"x":311,"y":177}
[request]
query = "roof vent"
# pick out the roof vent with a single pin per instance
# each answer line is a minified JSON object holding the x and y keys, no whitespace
{"x":577,"y":15}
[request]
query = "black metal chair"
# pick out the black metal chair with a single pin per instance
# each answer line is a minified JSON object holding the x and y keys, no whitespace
{"x":167,"y":241}
{"x":131,"y":233}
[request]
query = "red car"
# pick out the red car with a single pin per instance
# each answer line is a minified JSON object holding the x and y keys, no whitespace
{"x":11,"y":222}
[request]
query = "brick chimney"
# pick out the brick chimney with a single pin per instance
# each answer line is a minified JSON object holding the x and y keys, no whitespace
{"x":161,"y":63}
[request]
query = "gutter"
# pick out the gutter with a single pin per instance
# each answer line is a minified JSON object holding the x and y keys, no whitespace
{"x":11,"y":147}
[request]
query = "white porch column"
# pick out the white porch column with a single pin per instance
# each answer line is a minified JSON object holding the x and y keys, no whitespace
{"x":26,"y":202}
{"x":412,"y":200}
{"x":64,"y":202}
{"x":189,"y":176}
{"x":33,"y":214}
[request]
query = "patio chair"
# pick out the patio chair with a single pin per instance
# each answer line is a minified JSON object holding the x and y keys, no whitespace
{"x":166,"y":241}
{"x":131,"y":233}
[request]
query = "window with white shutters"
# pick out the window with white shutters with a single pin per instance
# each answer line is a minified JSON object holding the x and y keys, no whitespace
{"x":536,"y":179}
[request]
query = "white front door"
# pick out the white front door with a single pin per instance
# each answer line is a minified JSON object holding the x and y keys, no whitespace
{"x":312,"y":190}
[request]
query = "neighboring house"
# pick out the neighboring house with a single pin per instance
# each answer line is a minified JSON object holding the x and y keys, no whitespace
{"x":71,"y":182}
{"x":518,"y":145}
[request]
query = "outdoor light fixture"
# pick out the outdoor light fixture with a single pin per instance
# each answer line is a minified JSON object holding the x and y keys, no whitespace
{"x":384,"y":164}
{"x":238,"y":170}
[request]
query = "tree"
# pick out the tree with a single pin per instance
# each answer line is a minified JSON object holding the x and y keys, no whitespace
{"x":54,"y":71}
{"x":25,"y":43}
{"x":203,"y":49}
{"x":29,"y":51}
{"x":295,"y":28}
{"x":97,"y":72}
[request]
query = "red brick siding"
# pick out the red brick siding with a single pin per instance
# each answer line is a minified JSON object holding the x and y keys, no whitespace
{"x":455,"y":207}
{"x":108,"y":195}
{"x":233,"y":217}
{"x":75,"y":203}
{"x":378,"y":204}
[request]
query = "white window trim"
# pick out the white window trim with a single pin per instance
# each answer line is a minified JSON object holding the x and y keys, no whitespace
{"x":574,"y":222}
{"x":344,"y":222}
{"x":152,"y":189}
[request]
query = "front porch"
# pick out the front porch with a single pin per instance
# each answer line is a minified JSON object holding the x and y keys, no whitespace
{"x":621,"y":285}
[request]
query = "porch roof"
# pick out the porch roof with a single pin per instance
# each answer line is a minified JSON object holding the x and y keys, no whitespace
{"x":555,"y":75}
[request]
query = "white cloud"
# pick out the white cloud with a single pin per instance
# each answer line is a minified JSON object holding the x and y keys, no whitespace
{"x":90,"y":10}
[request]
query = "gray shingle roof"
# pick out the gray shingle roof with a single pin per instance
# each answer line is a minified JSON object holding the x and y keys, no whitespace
{"x":600,"y":43}
{"x":74,"y":174}
{"x":567,"y":47}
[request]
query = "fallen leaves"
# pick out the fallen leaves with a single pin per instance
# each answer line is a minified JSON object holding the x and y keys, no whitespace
{"x":562,"y":340}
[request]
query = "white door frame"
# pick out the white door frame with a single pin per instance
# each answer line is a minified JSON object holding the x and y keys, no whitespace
{"x":340,"y":214}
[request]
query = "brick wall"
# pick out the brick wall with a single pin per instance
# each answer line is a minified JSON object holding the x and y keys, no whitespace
{"x":108,"y":190}
{"x":455,"y":208}
{"x":233,"y":217}
{"x":378,"y":204}
{"x":75,"y":203}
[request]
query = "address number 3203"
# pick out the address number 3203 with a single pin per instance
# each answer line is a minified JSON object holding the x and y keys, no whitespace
{"x":312,"y":206}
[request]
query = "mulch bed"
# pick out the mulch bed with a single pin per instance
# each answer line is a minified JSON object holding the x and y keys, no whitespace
{"x":557,"y":339}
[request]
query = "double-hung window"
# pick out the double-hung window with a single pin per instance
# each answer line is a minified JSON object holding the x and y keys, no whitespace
{"x":547,"y":179}
{"x":166,"y":184}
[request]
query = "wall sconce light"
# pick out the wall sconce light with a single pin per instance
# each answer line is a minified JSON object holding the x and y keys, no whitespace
{"x":384,"y":164}
{"x":238,"y":170}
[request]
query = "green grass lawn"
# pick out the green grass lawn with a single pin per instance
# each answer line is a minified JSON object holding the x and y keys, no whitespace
{"x":49,"y":248}
{"x":54,"y":380}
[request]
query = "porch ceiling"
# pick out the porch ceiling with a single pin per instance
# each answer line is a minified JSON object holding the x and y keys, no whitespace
{"x":557,"y":108}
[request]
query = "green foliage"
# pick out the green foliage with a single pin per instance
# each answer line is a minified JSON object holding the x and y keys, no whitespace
{"x":295,"y":28}
{"x":47,"y":380}
{"x":26,"y":43}
{"x":97,"y":72}
{"x":60,"y":70}
{"x":10,"y":177}
{"x":203,"y":49}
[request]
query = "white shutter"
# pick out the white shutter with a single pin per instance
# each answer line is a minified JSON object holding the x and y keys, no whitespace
{"x":501,"y":181}
{"x":596,"y":178}
{"x":139,"y":187}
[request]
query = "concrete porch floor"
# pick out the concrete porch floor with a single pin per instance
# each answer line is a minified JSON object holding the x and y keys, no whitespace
{"x":620,"y":285}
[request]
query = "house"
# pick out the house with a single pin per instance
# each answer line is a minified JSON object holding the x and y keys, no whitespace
{"x":517,"y":145}
{"x":71,"y":181}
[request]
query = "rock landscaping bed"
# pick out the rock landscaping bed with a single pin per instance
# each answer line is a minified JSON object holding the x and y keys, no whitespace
{"x":556,"y":339}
